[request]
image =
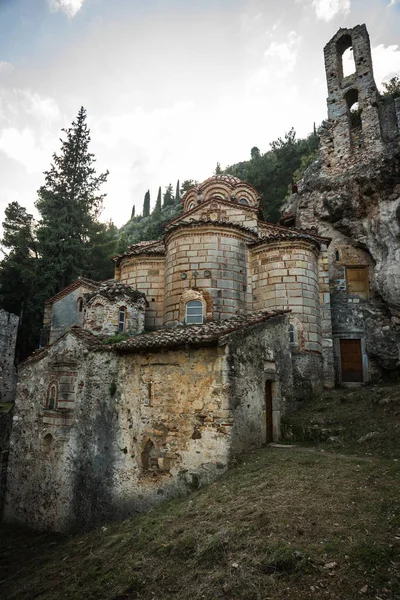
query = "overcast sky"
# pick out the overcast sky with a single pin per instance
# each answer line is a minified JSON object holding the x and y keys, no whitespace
{"x":170,"y":86}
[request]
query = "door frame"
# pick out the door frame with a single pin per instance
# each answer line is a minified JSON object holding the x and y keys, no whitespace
{"x":338,"y":361}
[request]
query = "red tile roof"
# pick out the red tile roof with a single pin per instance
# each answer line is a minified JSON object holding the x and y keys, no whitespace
{"x":81,"y":281}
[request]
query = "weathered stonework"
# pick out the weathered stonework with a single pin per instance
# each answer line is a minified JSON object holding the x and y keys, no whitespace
{"x":131,"y":427}
{"x":351,"y":194}
{"x":8,"y":385}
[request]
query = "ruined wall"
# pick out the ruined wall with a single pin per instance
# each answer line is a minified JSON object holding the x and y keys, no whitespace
{"x":102,"y":315}
{"x":128,"y":431}
{"x":210,"y":259}
{"x":263,"y":355}
{"x":8,"y":383}
{"x":352,"y":195}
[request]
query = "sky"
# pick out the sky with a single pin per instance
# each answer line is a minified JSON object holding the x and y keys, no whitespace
{"x":171,"y":87}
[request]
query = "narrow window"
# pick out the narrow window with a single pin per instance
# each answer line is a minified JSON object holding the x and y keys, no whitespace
{"x":121,"y":320}
{"x":194,"y":312}
{"x":80,"y":304}
{"x":349,"y":66}
{"x":292,"y":334}
{"x":243,"y":201}
{"x":52,"y":397}
{"x":354,"y":109}
{"x":337,"y":255}
{"x":47,"y":442}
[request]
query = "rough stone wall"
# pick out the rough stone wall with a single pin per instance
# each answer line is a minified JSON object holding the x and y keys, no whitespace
{"x":356,"y":202}
{"x":101,"y":315}
{"x":8,"y":384}
{"x":343,"y":143}
{"x":130,"y":430}
{"x":263,"y":355}
{"x":211,"y":260}
{"x":147,"y":274}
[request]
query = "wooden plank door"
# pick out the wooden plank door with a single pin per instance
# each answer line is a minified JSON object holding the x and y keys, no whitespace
{"x":351,"y":360}
{"x":268,"y":412}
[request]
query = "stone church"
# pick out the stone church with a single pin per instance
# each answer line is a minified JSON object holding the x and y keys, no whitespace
{"x":228,"y":319}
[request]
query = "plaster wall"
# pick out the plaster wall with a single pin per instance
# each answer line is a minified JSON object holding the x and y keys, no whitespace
{"x":65,"y":313}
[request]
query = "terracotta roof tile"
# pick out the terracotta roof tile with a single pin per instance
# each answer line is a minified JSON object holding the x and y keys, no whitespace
{"x":200,"y":222}
{"x":115,"y":289}
{"x":155,"y":248}
{"x":205,"y":334}
{"x":71,"y":287}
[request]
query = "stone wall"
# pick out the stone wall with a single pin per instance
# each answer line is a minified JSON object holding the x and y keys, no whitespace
{"x":66,"y":312}
{"x":8,"y":384}
{"x":102,"y":315}
{"x":134,"y":429}
{"x":210,"y":259}
{"x":147,"y":274}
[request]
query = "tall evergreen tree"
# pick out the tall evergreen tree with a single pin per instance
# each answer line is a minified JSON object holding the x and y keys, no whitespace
{"x":177,"y":193}
{"x":69,"y":204}
{"x":218,"y":170}
{"x":146,"y":204}
{"x":133,"y":212}
{"x":168,"y":197}
{"x":157,"y":208}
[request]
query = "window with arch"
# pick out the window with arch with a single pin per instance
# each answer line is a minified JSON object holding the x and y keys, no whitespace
{"x":244,"y":201}
{"x":194,"y":312}
{"x":121,"y":319}
{"x":47,"y":442}
{"x":344,"y":48}
{"x":52,"y":396}
{"x":354,"y":109}
{"x":292,"y":334}
{"x":191,"y":205}
{"x":79,"y":304}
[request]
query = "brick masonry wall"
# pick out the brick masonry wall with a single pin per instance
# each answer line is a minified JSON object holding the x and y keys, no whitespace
{"x":212,"y":260}
{"x":285,"y":276}
{"x":147,"y":274}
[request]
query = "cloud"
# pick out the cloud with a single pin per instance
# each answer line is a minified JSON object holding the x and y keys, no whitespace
{"x":327,"y":9}
{"x":5,"y":66}
{"x":386,"y":61}
{"x":284,"y":54}
{"x":69,"y":7}
{"x":393,"y":2}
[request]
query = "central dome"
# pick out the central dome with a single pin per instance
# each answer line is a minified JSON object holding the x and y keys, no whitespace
{"x":221,"y":187}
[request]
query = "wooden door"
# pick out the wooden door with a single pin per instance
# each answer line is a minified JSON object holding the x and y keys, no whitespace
{"x":268,"y":412}
{"x":351,"y":360}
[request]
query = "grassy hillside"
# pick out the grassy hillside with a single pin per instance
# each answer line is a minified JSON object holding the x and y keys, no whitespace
{"x":281,"y":524}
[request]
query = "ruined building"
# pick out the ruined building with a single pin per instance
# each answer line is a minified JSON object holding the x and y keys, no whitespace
{"x":8,"y":384}
{"x":225,"y":317}
{"x":352,"y":195}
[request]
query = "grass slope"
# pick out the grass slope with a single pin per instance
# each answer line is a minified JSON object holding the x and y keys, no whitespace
{"x":281,"y":524}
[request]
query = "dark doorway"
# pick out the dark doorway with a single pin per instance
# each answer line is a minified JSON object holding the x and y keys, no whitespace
{"x":268,"y":412}
{"x":351,"y":360}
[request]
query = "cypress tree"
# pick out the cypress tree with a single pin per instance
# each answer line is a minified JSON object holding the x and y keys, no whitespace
{"x":146,"y":204}
{"x":168,"y":198}
{"x":133,"y":212}
{"x":177,"y":193}
{"x":157,"y":208}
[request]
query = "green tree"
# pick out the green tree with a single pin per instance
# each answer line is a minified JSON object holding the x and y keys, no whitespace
{"x":177,"y":193}
{"x":157,"y":208}
{"x":20,"y":281}
{"x":146,"y":204}
{"x":133,"y":212}
{"x":392,"y":88}
{"x":187,"y":185}
{"x":168,"y":196}
{"x":218,"y":170}
{"x":69,"y":204}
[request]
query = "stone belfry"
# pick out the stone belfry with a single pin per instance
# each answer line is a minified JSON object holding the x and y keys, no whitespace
{"x":352,"y":132}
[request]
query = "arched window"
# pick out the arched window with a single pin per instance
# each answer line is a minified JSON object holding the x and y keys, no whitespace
{"x":191,"y":205}
{"x":344,"y":47}
{"x":243,"y":201}
{"x":292,"y":334}
{"x":121,"y":319}
{"x":52,"y":396}
{"x":194,"y":312}
{"x":354,"y":109}
{"x":47,"y":442}
{"x":349,"y":66}
{"x":79,"y":304}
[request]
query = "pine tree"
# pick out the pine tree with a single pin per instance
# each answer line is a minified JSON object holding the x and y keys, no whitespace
{"x":69,"y":204}
{"x":146,"y":204}
{"x":177,"y":193}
